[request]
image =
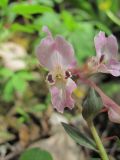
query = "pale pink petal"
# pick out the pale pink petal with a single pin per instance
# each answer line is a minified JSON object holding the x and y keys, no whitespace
{"x":61,"y":98}
{"x":45,"y":51}
{"x":48,"y":54}
{"x":66,"y":51}
{"x":113,"y":67}
{"x":45,"y":29}
{"x":100,"y":41}
{"x":114,"y":115}
{"x":106,"y":46}
{"x":112,"y":46}
{"x":107,"y":50}
{"x":70,"y":87}
{"x":53,"y":52}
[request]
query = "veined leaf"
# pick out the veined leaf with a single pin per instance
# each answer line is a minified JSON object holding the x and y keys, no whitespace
{"x":79,"y":137}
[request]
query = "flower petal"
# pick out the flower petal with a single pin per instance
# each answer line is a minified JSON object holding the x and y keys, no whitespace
{"x":53,"y":52}
{"x":112,"y":46}
{"x":66,"y":50}
{"x":99,"y":41}
{"x":45,"y":51}
{"x":114,"y":115}
{"x":113,"y":109}
{"x":106,"y":46}
{"x":114,"y":67}
{"x":61,"y":98}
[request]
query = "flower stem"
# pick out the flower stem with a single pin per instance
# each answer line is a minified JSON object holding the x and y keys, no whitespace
{"x":97,"y":139}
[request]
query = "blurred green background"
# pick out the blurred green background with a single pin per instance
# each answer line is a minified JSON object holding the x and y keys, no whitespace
{"x":23,"y":91}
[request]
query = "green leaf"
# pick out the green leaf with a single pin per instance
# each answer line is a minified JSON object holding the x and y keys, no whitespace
{"x":5,"y":72}
{"x":3,"y":3}
{"x":49,"y":19}
{"x":4,"y":34}
{"x":117,"y":141}
{"x":39,"y":108}
{"x":111,"y":88}
{"x":28,"y":9}
{"x":82,"y":40}
{"x":20,"y":80}
{"x":23,"y":28}
{"x":35,"y":154}
{"x":6,"y":136}
{"x":24,"y":116}
{"x":102,"y":26}
{"x":45,"y":2}
{"x":68,"y":20}
{"x":19,"y":83}
{"x":79,"y":137}
{"x":25,"y":75}
{"x":8,"y":91}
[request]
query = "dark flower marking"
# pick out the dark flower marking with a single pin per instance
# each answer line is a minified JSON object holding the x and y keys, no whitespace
{"x":50,"y":78}
{"x":102,"y":58}
{"x":67,"y":74}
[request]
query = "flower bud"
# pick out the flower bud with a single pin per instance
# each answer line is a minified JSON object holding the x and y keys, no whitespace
{"x":91,"y":105}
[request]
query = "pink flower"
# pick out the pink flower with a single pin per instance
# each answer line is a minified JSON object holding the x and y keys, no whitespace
{"x":106,"y":60}
{"x":112,"y":107}
{"x":57,"y":55}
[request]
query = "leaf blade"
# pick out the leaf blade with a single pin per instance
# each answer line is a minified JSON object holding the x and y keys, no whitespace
{"x":36,"y":154}
{"x":79,"y":137}
{"x":26,"y":9}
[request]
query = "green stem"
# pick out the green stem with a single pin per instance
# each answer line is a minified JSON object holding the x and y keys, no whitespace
{"x":113,"y":17}
{"x":97,"y":139}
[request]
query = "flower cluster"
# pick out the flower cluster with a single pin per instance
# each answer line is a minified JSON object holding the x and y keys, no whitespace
{"x":57,"y":55}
